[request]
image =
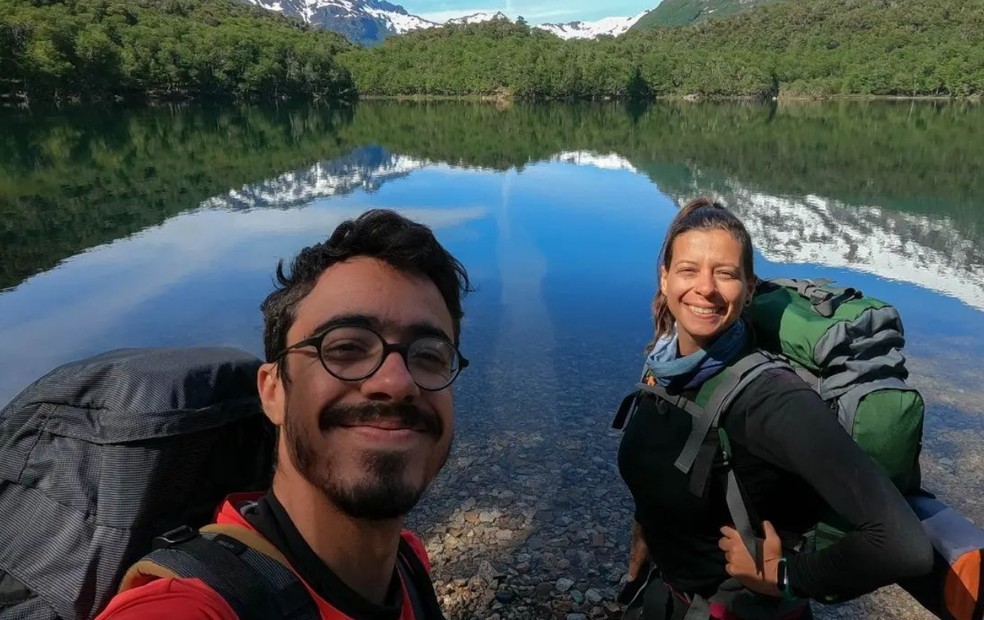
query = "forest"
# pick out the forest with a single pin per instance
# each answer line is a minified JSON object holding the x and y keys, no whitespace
{"x":69,"y":50}
{"x":222,"y":49}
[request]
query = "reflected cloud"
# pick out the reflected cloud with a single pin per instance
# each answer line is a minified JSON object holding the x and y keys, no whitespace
{"x":91,"y":295}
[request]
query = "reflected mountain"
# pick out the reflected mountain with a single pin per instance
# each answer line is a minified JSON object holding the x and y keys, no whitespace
{"x":929,"y":252}
{"x":365,"y":168}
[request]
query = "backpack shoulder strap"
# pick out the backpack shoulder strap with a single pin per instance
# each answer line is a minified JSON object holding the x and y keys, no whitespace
{"x":239,"y":564}
{"x":420,"y":589}
{"x":734,"y":379}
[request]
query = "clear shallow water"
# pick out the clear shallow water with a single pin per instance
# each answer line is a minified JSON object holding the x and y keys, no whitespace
{"x":163,"y":227}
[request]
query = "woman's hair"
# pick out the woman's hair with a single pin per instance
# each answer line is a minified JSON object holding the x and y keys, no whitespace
{"x":702,"y":213}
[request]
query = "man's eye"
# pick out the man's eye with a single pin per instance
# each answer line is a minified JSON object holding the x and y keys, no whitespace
{"x":345,"y":350}
{"x":436,"y":356}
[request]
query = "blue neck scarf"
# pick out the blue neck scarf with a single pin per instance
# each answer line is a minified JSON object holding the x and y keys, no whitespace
{"x":690,"y":371}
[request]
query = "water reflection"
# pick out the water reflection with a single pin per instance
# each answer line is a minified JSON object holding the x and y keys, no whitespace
{"x":167,"y":223}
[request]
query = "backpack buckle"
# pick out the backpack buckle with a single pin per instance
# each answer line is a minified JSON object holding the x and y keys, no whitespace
{"x":174,"y":537}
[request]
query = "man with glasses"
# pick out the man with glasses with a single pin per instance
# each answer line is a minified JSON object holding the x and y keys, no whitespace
{"x":361,"y":345}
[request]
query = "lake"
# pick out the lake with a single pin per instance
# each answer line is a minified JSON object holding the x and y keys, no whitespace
{"x":162,"y":227}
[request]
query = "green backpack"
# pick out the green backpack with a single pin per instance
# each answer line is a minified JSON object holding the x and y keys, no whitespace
{"x":848,"y":347}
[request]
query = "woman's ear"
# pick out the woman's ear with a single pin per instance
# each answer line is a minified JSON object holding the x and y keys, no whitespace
{"x":750,"y":289}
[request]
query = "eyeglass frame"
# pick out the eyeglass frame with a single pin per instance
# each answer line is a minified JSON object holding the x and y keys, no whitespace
{"x":388,"y":347}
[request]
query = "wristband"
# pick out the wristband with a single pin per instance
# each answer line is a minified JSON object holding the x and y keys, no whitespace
{"x":782,"y":581}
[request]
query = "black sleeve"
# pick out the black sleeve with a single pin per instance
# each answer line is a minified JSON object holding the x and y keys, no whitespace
{"x":789,"y":426}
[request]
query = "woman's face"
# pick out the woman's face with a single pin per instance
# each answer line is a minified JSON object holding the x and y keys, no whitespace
{"x":705,"y":286}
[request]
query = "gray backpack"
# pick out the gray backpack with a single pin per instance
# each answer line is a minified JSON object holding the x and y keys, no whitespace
{"x":102,"y":455}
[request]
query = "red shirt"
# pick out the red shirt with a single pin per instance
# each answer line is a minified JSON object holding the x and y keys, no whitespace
{"x":191,"y":599}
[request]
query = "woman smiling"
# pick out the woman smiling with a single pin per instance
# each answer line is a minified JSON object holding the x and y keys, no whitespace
{"x":788,"y":460}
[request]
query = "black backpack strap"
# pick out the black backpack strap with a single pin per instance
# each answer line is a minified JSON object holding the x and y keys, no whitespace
{"x":744,"y":519}
{"x":701,"y":448}
{"x":626,"y":410}
{"x":255,"y":585}
{"x":420,"y":589}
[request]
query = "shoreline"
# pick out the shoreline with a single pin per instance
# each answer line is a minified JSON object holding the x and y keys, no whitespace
{"x":674,"y":98}
{"x":20,"y":101}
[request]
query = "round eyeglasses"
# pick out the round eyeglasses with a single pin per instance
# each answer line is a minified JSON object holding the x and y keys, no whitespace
{"x":352,"y":353}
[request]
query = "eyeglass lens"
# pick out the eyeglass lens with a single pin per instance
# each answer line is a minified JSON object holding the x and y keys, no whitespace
{"x":354,"y":353}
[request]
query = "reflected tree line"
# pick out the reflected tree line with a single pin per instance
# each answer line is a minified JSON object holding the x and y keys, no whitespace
{"x":76,"y":180}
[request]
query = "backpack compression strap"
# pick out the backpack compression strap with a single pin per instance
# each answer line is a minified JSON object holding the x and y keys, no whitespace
{"x":239,"y":564}
{"x":824,"y":298}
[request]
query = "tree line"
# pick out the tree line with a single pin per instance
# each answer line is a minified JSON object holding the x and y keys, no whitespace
{"x":91,"y":49}
{"x":806,"y":48}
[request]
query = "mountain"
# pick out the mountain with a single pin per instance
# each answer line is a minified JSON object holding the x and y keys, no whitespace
{"x":682,"y":12}
{"x":477,"y":18}
{"x":612,"y":26}
{"x":366,"y":22}
{"x":369,"y":22}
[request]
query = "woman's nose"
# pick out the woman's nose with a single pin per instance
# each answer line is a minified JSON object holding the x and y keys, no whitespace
{"x":705,"y":284}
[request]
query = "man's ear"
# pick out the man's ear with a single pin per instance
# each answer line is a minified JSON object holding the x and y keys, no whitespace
{"x":271,"y":389}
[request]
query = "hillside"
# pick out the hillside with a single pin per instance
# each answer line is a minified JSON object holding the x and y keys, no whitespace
{"x":670,"y":13}
{"x":163,"y":49}
{"x":806,"y":48}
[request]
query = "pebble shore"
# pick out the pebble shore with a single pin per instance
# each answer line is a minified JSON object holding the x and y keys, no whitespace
{"x":530,"y":520}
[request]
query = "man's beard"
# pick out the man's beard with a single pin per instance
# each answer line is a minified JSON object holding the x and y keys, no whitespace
{"x":383,"y":492}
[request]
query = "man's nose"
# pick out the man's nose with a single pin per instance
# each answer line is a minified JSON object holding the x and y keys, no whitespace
{"x":392,"y":381}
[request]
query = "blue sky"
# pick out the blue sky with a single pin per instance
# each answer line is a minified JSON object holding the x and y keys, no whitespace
{"x":535,"y":11}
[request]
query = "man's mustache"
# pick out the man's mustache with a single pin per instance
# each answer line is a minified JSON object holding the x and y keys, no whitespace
{"x":403,"y":414}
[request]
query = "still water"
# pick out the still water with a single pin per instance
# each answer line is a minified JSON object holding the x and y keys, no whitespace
{"x":163,"y":227}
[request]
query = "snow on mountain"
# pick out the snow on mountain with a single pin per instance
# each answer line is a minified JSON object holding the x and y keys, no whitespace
{"x":612,"y":26}
{"x":400,"y":23}
{"x":476,"y":18}
{"x":369,"y":22}
{"x":362,"y":21}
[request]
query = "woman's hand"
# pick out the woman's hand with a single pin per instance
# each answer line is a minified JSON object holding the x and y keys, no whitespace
{"x":638,"y":552}
{"x":741,"y":564}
